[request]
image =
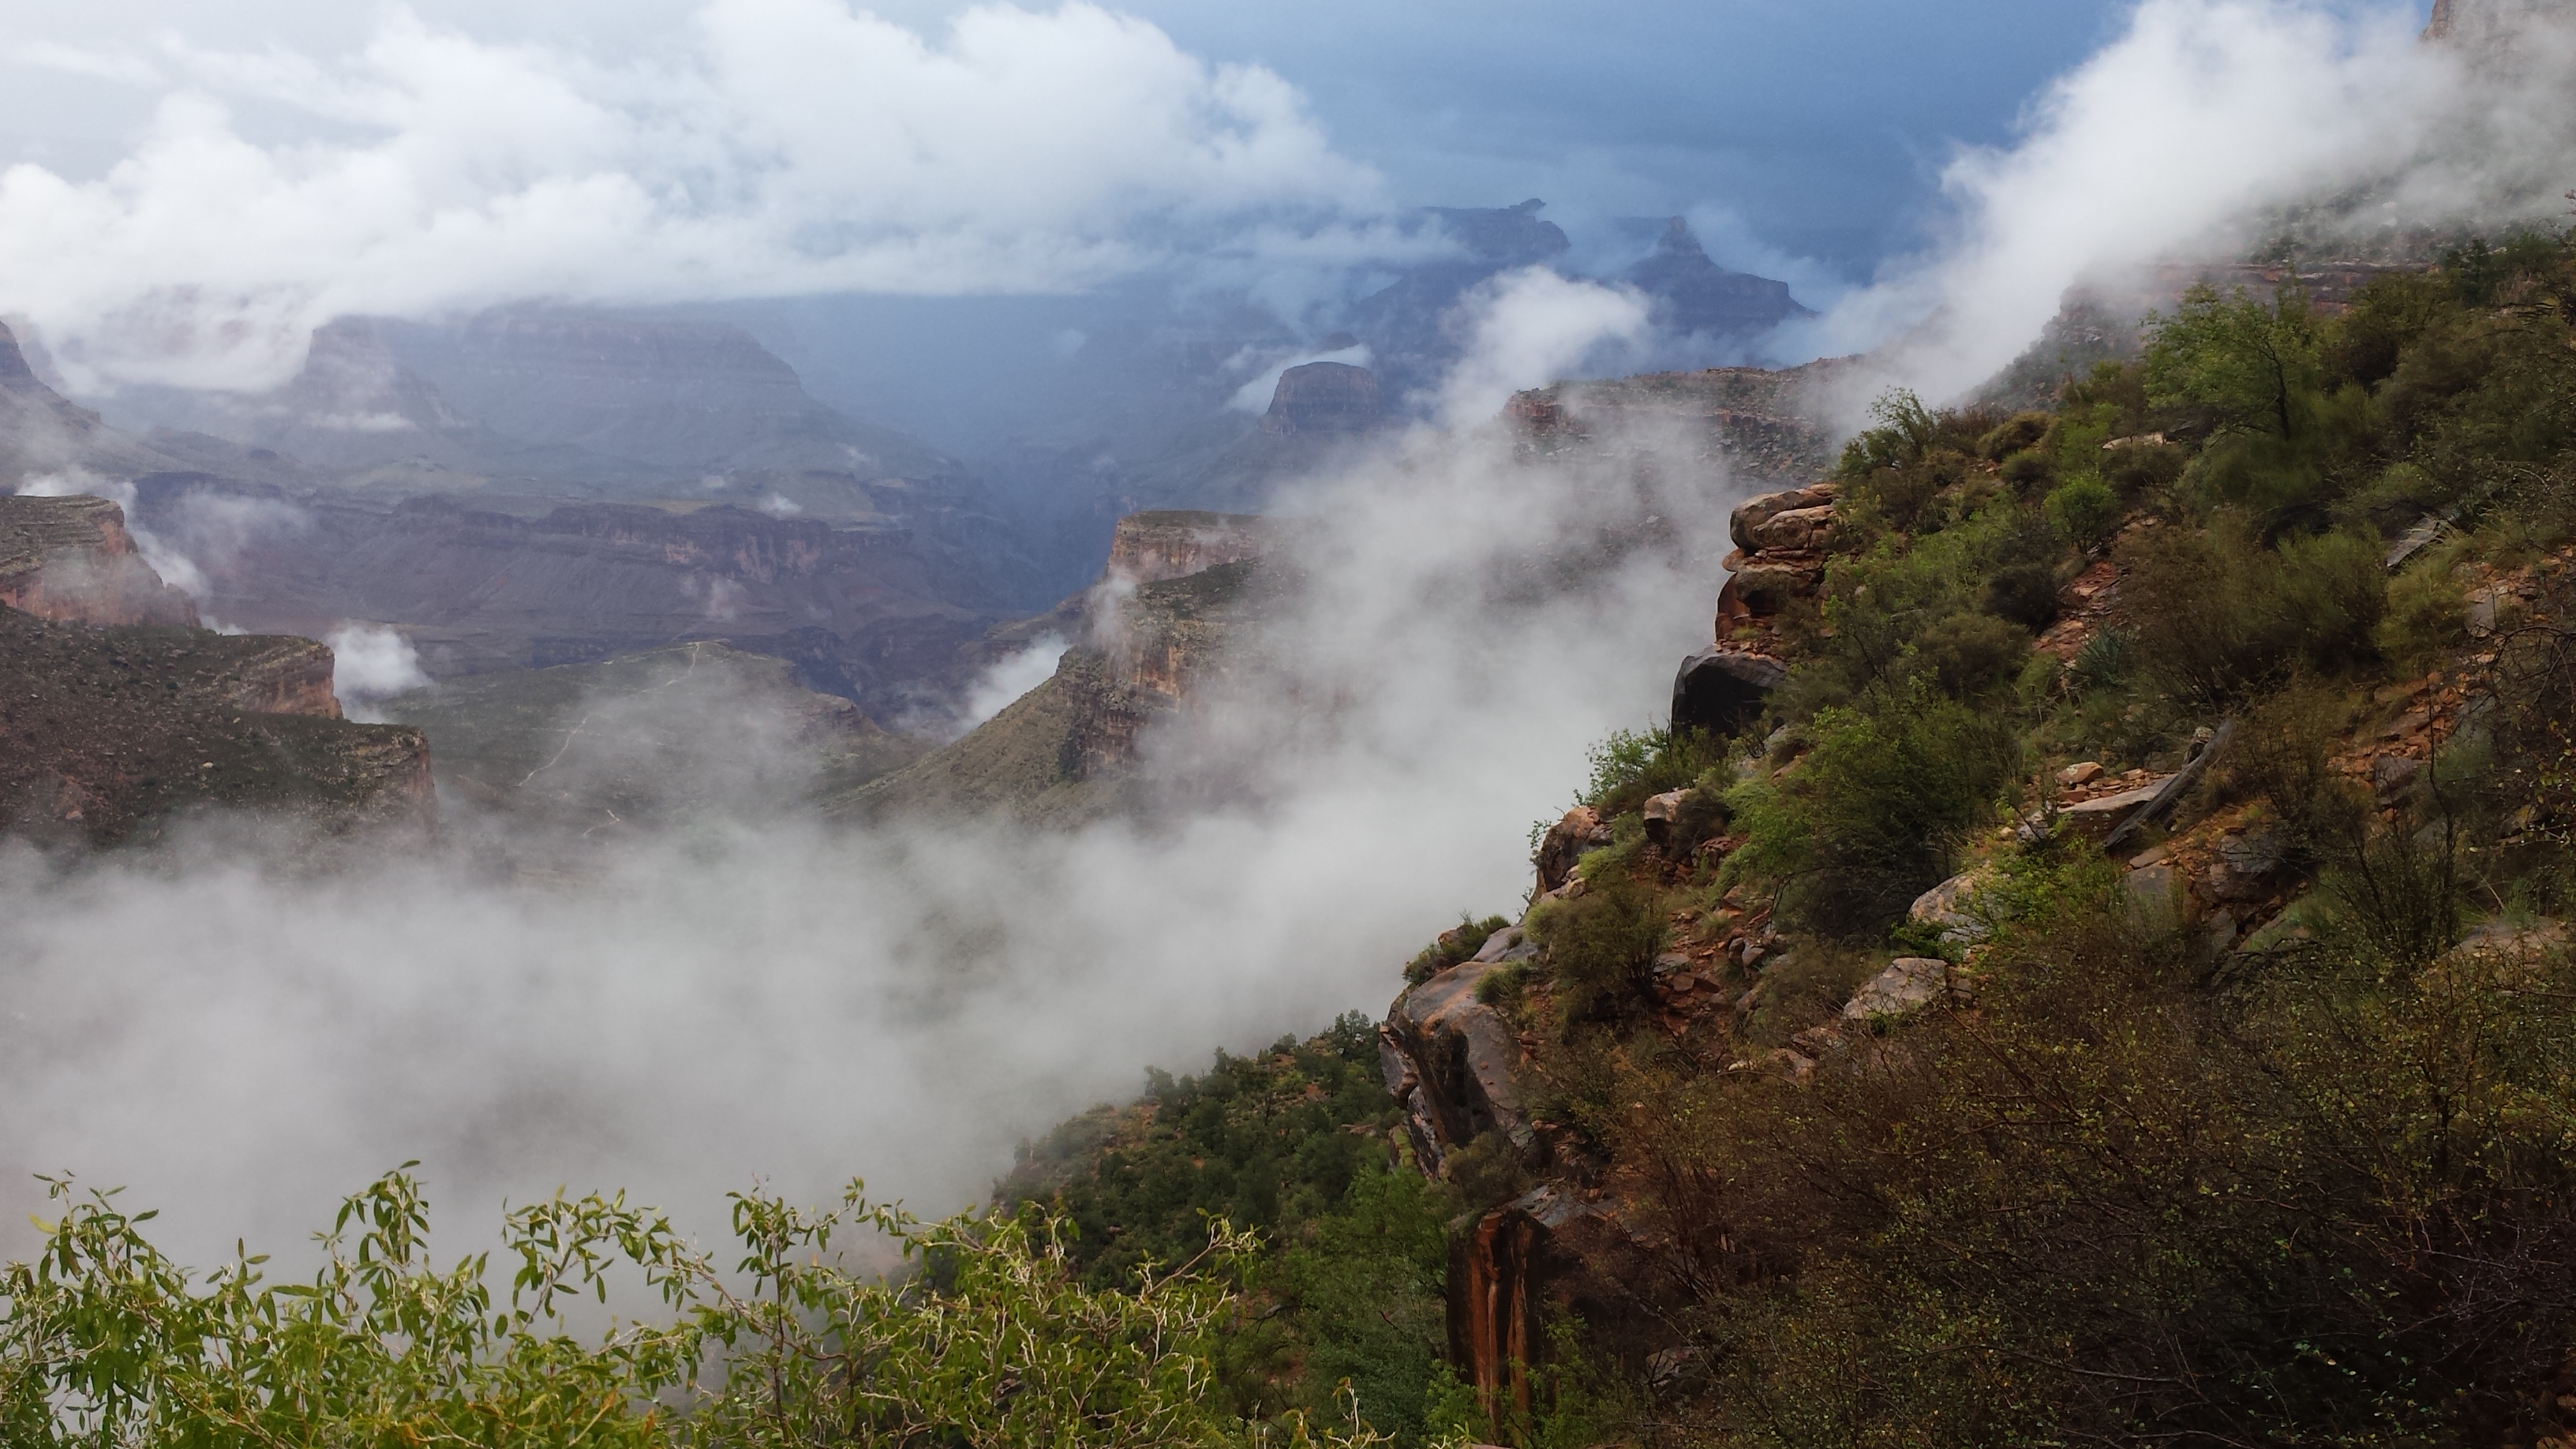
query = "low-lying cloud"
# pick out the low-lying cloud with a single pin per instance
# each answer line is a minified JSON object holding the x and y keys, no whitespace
{"x":788,"y":147}
{"x":2184,"y":139}
{"x":240,"y":1037}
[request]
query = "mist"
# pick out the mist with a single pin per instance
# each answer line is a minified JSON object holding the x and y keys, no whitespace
{"x":773,"y":148}
{"x":2206,"y":129}
{"x":239,"y":1034}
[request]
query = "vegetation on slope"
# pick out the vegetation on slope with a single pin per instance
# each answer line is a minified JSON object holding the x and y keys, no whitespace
{"x":2283,"y":1159}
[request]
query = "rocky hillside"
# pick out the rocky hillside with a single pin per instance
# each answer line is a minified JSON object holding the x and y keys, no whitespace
{"x":1758,"y":427}
{"x":2086,"y":959}
{"x":1169,"y":611}
{"x":117,"y":714}
{"x":70,"y":559}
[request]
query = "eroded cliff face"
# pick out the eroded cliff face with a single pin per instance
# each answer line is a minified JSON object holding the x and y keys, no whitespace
{"x":1148,"y":548}
{"x":1153,"y":638}
{"x":1766,"y":429}
{"x":109,"y":732}
{"x":476,"y":589}
{"x":71,"y":560}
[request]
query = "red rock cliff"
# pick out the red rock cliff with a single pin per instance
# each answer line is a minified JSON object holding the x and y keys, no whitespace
{"x":72,"y":561}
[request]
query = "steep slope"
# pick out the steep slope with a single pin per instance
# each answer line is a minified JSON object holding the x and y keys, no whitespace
{"x":110,"y":731}
{"x":70,"y":559}
{"x":43,"y":433}
{"x":1178,"y":591}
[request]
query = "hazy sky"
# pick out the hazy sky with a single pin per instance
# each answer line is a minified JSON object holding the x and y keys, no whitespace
{"x":1824,"y":123}
{"x":187,"y":190}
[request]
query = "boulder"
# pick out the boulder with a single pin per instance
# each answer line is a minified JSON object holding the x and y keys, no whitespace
{"x":2392,"y":778}
{"x":1909,"y":984}
{"x":1765,"y":583}
{"x":1957,"y":909}
{"x":1564,"y":844}
{"x":1799,"y":530}
{"x":1723,"y":687}
{"x":1745,"y":524}
{"x":1660,"y":812}
{"x":2246,"y":864}
{"x":2151,"y":894}
{"x":2082,"y":774}
{"x":2101,"y":818}
{"x":1449,"y":1061}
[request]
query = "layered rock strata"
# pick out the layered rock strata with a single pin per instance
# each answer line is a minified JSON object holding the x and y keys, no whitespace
{"x":70,"y":559}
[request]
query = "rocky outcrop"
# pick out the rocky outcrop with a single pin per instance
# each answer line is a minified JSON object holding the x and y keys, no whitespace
{"x":1780,"y":542}
{"x":70,"y":559}
{"x":1147,"y":548}
{"x":1909,"y":984}
{"x":1063,"y":751}
{"x":1722,"y":687}
{"x":1548,"y":1256}
{"x":108,"y":733}
{"x":1755,"y":427}
{"x":1151,"y":653}
{"x":1694,"y":295}
{"x":1324,"y":397}
{"x":1450,"y":1058}
{"x":1564,"y":844}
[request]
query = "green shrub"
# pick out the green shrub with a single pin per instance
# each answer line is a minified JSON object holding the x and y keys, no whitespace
{"x":1457,"y":944}
{"x":2084,"y":509}
{"x":2025,"y":593}
{"x":107,"y":1342}
{"x":1872,"y":815}
{"x":2428,"y":615}
{"x":2215,"y":614}
{"x":2134,"y":469}
{"x":2248,"y":366}
{"x":2030,"y":472}
{"x":2012,"y":435}
{"x":1971,"y":656}
{"x":1600,"y":947}
{"x":1629,"y":766}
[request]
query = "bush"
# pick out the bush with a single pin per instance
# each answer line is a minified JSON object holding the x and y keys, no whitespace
{"x":2428,"y":615}
{"x":1871,"y":817}
{"x":2012,"y":435}
{"x":2025,"y":593}
{"x":1971,"y":656}
{"x":2133,"y":469}
{"x":2084,"y":509}
{"x":1458,"y":944}
{"x":107,"y":1342}
{"x":2215,"y":614}
{"x":1628,"y":767}
{"x":2030,"y":472}
{"x":1600,"y":947}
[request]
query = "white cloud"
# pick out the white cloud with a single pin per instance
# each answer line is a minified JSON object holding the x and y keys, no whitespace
{"x":370,"y":662}
{"x":1528,"y":328}
{"x":791,"y":146}
{"x":2171,"y":144}
{"x":1007,"y":678}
